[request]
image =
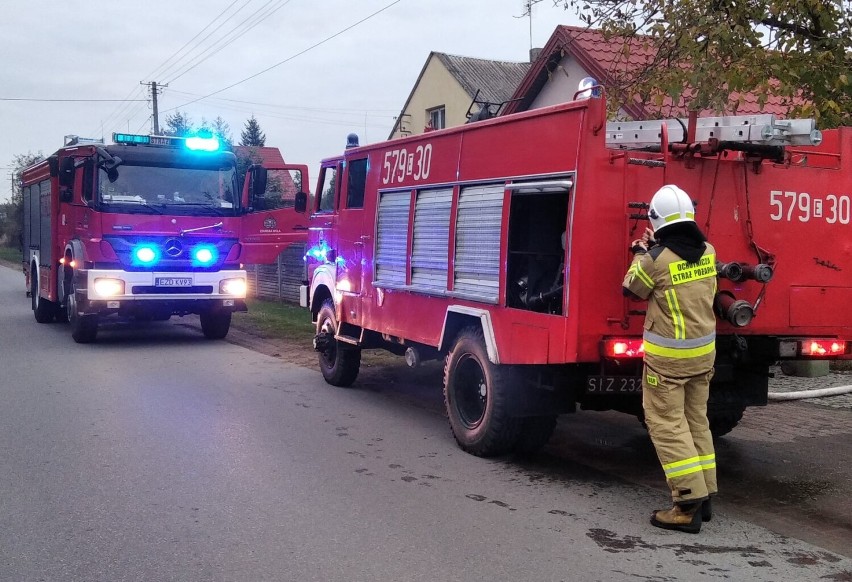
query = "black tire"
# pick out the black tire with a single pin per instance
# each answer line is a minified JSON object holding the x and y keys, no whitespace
{"x":476,"y":398}
{"x":724,"y":420}
{"x":43,"y":309}
{"x":534,"y":434}
{"x":215,"y":324}
{"x":84,"y":328}
{"x":338,"y":362}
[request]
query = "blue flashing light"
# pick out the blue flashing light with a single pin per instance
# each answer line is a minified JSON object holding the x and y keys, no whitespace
{"x":204,"y":144}
{"x":146,"y":254}
{"x":204,"y":255}
{"x":318,"y":252}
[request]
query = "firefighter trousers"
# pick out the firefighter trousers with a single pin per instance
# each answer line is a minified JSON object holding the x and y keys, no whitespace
{"x":676,"y":415}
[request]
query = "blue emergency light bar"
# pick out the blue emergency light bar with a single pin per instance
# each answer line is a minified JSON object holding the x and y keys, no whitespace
{"x":196,"y":143}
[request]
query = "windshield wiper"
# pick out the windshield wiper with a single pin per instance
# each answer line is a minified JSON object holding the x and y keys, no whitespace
{"x":132,"y":207}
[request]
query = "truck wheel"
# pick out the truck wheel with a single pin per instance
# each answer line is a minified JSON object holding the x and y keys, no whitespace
{"x":43,"y":309}
{"x":215,"y":324}
{"x":535,"y":432}
{"x":338,"y":363}
{"x":84,"y":328}
{"x":476,"y":398}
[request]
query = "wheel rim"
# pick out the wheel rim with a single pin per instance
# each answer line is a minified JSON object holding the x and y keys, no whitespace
{"x":471,"y":391}
{"x":329,"y":354}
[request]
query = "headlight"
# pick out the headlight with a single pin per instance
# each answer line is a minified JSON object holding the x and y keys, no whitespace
{"x":235,"y":287}
{"x":109,"y":287}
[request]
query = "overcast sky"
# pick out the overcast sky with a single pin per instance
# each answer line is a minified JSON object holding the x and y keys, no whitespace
{"x":357,"y":80}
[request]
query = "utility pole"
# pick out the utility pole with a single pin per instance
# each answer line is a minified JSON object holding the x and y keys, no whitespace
{"x":155,"y":90}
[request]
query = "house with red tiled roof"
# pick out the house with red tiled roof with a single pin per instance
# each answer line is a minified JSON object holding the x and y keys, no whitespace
{"x":573,"y":53}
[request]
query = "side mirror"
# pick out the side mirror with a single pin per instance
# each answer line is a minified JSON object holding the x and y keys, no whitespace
{"x":53,"y":163}
{"x":66,"y":172}
{"x":301,"y":203}
{"x":258,"y":181}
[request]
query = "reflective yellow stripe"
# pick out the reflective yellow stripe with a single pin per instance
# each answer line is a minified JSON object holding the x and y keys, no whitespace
{"x":643,"y":276}
{"x":683,"y":472}
{"x":684,"y":467}
{"x":675,"y":216}
{"x":676,"y":464}
{"x":680,"y":353}
{"x":707,"y":462}
{"x":677,"y":316}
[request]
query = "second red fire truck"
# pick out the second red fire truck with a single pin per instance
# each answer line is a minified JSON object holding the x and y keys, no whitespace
{"x":150,"y":227}
{"x":500,"y":247}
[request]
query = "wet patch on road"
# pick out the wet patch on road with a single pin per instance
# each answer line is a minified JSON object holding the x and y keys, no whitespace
{"x":610,"y":541}
{"x":477,"y":497}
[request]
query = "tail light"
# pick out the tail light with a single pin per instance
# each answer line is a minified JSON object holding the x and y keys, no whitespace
{"x":623,"y":348}
{"x":814,"y":348}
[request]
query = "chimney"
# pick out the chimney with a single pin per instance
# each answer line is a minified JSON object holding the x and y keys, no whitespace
{"x":534,"y":52}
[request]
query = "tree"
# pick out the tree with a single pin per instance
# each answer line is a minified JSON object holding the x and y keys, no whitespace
{"x":178,"y":124}
{"x":710,"y":52}
{"x":251,"y":135}
{"x":11,"y":225}
{"x":222,"y":130}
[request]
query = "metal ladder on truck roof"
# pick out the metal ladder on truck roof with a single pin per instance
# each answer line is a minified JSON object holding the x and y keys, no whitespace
{"x":762,"y":129}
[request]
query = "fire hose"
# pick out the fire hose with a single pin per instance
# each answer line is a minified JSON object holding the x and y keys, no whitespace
{"x":801,"y":394}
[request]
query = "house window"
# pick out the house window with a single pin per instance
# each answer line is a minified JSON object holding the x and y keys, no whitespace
{"x":437,"y":117}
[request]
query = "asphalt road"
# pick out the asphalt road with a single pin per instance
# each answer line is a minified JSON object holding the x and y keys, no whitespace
{"x":155,"y":454}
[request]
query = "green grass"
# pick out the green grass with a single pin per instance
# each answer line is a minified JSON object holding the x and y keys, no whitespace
{"x":271,"y":319}
{"x":10,"y":254}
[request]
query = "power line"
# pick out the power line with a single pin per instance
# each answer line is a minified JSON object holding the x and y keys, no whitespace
{"x":288,"y":59}
{"x":218,"y":46}
{"x":161,"y":73}
{"x":117,"y":113}
{"x":68,"y":100}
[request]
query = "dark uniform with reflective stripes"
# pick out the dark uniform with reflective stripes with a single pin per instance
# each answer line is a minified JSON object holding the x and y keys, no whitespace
{"x":680,"y":348}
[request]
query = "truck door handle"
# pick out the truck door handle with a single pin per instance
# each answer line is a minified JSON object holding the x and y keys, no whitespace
{"x":300,"y":227}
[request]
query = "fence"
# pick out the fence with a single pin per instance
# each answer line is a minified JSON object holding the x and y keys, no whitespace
{"x":279,"y":281}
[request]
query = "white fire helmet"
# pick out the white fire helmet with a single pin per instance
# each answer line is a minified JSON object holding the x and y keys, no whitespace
{"x":670,"y":205}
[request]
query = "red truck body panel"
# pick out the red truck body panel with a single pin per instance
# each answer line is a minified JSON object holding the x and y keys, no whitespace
{"x":794,"y":215}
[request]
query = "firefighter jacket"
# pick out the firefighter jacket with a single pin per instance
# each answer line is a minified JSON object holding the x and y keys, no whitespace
{"x":680,"y":325}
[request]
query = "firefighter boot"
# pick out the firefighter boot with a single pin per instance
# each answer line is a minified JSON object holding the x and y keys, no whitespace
{"x":707,"y":509}
{"x":684,"y":516}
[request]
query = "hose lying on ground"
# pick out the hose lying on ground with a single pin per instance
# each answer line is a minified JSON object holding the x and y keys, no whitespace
{"x":810,"y":393}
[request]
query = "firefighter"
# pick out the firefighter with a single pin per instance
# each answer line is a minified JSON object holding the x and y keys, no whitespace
{"x":677,"y":275}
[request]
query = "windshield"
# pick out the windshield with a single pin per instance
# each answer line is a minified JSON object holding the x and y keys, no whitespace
{"x":169,"y":190}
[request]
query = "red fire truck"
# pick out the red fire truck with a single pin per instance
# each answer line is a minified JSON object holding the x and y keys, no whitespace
{"x":501,"y":246}
{"x":150,"y":227}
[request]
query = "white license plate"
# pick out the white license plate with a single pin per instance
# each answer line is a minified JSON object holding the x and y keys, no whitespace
{"x":173,"y":282}
{"x":614,"y":385}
